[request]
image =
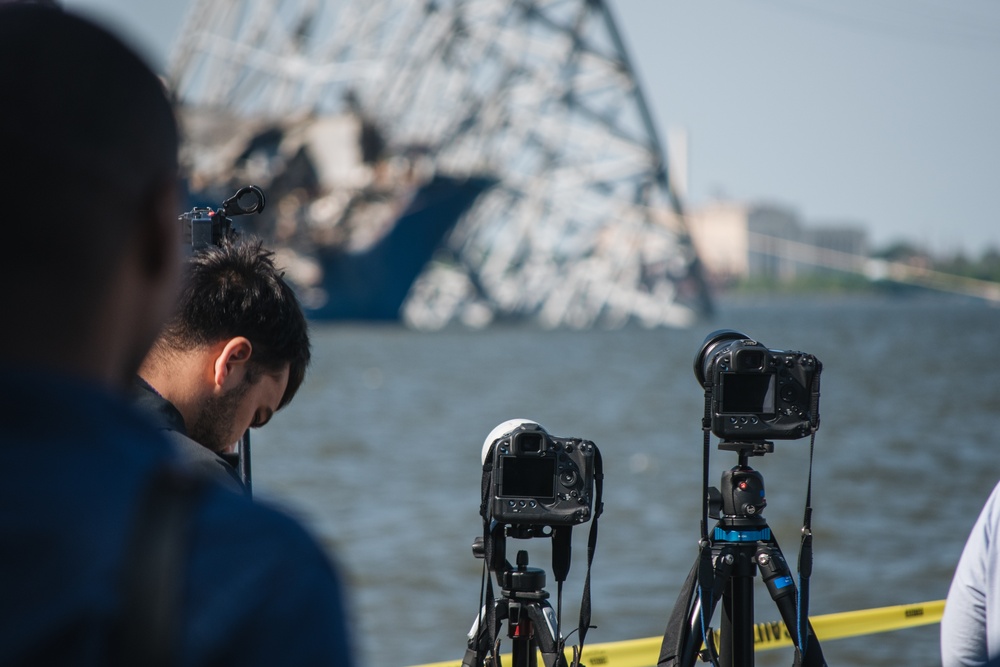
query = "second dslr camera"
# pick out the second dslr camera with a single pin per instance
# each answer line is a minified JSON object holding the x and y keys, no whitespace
{"x":758,"y":393}
{"x":541,"y":480}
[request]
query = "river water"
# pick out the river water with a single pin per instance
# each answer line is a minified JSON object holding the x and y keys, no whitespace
{"x":380,"y":455}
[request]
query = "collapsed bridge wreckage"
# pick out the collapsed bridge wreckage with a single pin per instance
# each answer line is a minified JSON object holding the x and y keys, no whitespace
{"x":439,"y":162}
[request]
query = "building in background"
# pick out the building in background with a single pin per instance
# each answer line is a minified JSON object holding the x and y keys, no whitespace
{"x":746,"y":240}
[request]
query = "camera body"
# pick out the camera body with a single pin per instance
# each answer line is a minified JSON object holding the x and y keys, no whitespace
{"x":201,"y":228}
{"x":758,"y":393}
{"x":541,"y":480}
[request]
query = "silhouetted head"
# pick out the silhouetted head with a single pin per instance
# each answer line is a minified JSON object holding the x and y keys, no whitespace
{"x":88,"y":191}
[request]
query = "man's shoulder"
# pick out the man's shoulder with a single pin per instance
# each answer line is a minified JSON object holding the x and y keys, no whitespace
{"x":262,"y":525}
{"x":225,"y":532}
{"x":201,"y":460}
{"x":258,"y":572}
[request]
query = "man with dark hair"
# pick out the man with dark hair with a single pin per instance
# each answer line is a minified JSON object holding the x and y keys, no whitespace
{"x":233,"y":353}
{"x":108,"y":553}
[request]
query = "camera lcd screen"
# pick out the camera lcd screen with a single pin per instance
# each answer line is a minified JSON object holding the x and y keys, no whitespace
{"x":527,"y":477}
{"x":745,"y":393}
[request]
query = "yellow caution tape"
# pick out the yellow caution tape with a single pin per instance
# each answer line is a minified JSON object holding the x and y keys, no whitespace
{"x":645,"y":652}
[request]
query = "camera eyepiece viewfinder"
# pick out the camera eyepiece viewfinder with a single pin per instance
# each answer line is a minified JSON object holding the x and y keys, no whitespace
{"x":527,"y":442}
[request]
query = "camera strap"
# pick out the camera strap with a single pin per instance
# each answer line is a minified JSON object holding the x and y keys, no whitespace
{"x":149,"y":625}
{"x":806,"y":557}
{"x":591,"y":548}
{"x":706,"y":427}
{"x":488,"y":606}
{"x":805,"y":548}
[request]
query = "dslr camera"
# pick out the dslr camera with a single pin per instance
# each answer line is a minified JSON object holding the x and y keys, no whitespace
{"x":541,"y":480}
{"x":757,"y":393}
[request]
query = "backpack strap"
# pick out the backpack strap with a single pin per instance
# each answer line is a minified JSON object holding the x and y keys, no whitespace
{"x":153,"y":574}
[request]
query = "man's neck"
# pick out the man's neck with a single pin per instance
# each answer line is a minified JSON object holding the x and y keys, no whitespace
{"x":173,"y":383}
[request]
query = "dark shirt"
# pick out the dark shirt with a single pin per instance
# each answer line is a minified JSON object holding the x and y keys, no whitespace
{"x":196,"y":457}
{"x":74,"y":459}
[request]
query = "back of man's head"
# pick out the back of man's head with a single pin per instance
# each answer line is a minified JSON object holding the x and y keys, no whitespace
{"x":88,"y":150}
{"x":235,"y":290}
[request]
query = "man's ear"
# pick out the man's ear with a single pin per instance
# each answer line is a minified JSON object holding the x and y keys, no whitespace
{"x":232,"y":362}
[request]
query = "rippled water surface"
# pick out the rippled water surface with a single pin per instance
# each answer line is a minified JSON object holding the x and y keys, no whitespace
{"x":380,"y":455}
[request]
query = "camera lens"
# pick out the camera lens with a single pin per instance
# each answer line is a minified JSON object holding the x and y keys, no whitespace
{"x":714,"y":342}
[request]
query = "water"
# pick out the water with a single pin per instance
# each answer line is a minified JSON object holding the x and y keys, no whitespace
{"x":380,"y":455}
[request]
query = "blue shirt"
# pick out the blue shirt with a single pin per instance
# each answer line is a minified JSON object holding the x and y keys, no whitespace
{"x":74,"y":461}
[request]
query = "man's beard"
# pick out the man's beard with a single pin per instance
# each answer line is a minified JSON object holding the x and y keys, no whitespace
{"x":213,"y":424}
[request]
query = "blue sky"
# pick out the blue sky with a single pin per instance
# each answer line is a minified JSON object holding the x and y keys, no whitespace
{"x":881,"y":114}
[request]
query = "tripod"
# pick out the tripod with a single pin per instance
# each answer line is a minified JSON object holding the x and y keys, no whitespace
{"x":531,"y":622}
{"x":740,"y":544}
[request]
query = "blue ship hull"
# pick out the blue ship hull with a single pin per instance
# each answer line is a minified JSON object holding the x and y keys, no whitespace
{"x":372,"y":285}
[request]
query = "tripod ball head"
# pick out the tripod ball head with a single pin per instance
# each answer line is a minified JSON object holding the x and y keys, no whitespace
{"x":743,"y":493}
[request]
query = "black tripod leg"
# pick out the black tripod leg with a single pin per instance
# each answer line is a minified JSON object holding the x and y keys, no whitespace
{"x":543,"y":622}
{"x":736,"y":628}
{"x":480,"y":645}
{"x":781,"y":586}
{"x":688,"y":622}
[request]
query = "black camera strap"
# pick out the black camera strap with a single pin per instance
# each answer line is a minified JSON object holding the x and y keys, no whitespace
{"x":488,"y":612}
{"x":706,"y":427}
{"x":591,"y":548}
{"x":490,"y":617}
{"x":701,"y":582}
{"x":805,"y":548}
{"x":806,"y":557}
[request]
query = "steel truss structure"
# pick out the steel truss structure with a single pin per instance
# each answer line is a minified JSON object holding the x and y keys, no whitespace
{"x":583,"y":228}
